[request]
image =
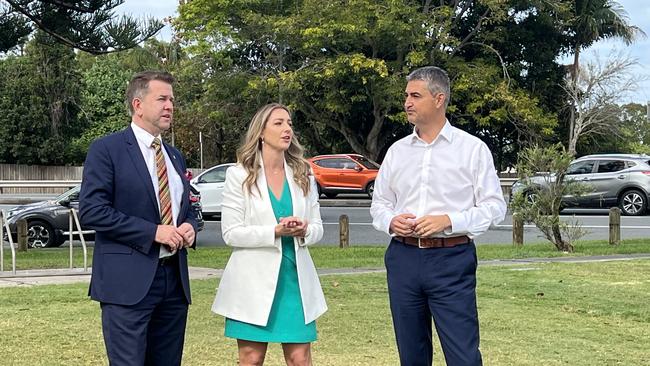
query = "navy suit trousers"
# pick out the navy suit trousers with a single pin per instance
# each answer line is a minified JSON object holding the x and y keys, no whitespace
{"x":438,"y":283}
{"x":151,"y":332}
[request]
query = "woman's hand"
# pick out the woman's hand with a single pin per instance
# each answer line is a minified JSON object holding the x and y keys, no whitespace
{"x":291,"y":226}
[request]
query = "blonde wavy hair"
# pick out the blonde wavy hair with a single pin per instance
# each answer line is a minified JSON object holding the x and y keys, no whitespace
{"x":249,"y":154}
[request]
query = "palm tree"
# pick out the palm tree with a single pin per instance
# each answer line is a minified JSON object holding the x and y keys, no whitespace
{"x":595,"y":20}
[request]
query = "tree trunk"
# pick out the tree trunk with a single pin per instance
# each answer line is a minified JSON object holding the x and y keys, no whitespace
{"x":372,"y":142}
{"x":575,"y":68}
{"x":560,"y":243}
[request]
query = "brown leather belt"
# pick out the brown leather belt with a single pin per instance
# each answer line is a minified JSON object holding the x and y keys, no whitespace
{"x":434,"y":242}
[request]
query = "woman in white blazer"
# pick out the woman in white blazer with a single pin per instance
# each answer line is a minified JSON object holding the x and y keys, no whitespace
{"x":270,"y":291}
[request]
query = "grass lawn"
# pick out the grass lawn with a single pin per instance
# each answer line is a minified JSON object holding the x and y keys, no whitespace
{"x":333,"y":257}
{"x":539,"y":314}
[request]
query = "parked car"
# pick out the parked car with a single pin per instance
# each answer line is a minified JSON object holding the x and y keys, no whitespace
{"x":47,"y":221}
{"x":211,"y":183}
{"x":344,"y":173}
{"x":621,"y":180}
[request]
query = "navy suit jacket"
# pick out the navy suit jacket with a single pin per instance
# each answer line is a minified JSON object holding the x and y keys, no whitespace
{"x":118,"y":201}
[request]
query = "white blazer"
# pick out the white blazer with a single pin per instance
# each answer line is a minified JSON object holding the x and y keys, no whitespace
{"x":248,"y":284}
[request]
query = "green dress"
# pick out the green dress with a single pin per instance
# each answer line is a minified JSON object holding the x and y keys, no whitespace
{"x":286,"y":322}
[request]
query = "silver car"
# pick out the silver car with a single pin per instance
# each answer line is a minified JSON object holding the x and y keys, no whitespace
{"x":621,"y":180}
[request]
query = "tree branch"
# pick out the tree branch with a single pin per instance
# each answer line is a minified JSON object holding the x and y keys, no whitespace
{"x":473,"y":32}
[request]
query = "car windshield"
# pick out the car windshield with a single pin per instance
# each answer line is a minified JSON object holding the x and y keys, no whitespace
{"x":367,"y":163}
{"x":67,"y":194}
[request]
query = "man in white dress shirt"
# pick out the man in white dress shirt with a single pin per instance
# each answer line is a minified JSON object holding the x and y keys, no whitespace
{"x":437,"y":190}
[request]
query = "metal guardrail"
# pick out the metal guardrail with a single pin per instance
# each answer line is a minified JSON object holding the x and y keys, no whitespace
{"x":5,"y":226}
{"x":38,"y":184}
{"x":73,"y":223}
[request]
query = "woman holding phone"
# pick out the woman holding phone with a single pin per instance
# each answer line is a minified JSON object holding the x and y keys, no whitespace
{"x":270,"y":291}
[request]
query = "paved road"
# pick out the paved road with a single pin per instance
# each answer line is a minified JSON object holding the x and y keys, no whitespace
{"x":362,"y":232}
{"x":596,"y":222}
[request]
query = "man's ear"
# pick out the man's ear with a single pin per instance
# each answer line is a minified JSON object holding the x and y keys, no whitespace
{"x":440,"y":100}
{"x":136,"y":103}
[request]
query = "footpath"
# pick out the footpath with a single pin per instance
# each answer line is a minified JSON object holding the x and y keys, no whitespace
{"x":29,"y":278}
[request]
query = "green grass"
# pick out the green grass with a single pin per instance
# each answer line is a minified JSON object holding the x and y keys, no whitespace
{"x":334,"y":257}
{"x":540,"y":314}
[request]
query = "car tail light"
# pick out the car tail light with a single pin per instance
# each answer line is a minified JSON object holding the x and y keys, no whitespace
{"x":646,"y":172}
{"x":194,"y":198}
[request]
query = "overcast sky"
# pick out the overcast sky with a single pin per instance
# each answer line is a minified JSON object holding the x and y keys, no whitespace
{"x":638,"y":10}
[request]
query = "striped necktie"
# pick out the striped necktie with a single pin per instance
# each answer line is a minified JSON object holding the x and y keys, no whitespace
{"x":163,"y":192}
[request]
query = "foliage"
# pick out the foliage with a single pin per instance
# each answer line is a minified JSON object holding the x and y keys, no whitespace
{"x":633,"y":133}
{"x":505,"y":118}
{"x":87,"y":25}
{"x":342,"y":72}
{"x":102,"y":101}
{"x":39,"y":103}
{"x":541,"y":202}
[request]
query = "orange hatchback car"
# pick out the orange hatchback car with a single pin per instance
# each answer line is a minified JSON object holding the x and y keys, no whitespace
{"x":344,"y":173}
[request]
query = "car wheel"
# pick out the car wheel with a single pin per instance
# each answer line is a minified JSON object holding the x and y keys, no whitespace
{"x":330,"y":195}
{"x":370,"y":189}
{"x":40,"y":235}
{"x":633,"y":203}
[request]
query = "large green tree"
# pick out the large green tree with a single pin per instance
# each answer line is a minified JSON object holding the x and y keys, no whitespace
{"x":39,"y":103}
{"x":341,"y":66}
{"x":104,"y":81}
{"x":88,"y":25}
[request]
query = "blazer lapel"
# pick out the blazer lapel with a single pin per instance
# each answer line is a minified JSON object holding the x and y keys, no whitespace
{"x":140,"y":166}
{"x":177,"y":166}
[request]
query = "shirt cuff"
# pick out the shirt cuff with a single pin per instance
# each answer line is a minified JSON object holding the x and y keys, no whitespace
{"x":458,"y":224}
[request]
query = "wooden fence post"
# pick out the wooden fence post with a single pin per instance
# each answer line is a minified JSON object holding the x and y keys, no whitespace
{"x":517,"y":230}
{"x":21,"y":228}
{"x":344,"y":231}
{"x":614,"y":226}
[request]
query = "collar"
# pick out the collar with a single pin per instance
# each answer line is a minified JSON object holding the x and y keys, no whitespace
{"x":142,"y":135}
{"x":446,"y":132}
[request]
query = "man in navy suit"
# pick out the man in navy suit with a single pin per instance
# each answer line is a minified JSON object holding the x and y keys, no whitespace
{"x":139,"y":273}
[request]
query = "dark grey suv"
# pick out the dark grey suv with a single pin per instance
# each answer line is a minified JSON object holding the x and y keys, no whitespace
{"x":47,"y":221}
{"x":621,"y":180}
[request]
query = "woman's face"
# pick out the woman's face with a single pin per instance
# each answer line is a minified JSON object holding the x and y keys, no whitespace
{"x":277,"y":133}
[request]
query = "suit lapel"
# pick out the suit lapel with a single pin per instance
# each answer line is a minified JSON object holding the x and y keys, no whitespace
{"x":177,"y":166}
{"x":140,"y":166}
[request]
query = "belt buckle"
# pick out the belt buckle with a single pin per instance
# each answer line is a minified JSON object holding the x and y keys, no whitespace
{"x":420,"y":243}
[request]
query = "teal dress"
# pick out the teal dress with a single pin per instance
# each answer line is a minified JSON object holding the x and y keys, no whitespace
{"x":286,"y":322}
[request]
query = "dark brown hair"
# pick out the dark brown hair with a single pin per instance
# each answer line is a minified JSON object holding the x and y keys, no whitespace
{"x":139,"y":84}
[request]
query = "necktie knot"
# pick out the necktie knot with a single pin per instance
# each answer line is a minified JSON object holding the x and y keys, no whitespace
{"x":155,"y":143}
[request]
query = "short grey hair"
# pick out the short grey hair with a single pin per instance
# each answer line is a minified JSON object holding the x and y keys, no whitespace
{"x":436,"y":78}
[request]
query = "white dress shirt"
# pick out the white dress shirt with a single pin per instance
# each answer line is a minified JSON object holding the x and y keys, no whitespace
{"x":145,"y":139}
{"x":453,"y":175}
